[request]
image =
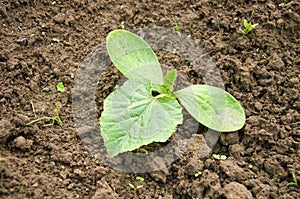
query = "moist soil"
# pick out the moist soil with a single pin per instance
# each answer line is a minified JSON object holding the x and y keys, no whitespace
{"x":260,"y":69}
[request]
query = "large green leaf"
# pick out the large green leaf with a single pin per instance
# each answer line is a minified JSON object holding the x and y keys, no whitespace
{"x":212,"y":107}
{"x":133,"y":56}
{"x":133,"y":118}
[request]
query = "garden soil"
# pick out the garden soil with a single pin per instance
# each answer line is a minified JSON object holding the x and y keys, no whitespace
{"x":45,"y":42}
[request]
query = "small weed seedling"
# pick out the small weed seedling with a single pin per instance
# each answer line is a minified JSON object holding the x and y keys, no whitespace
{"x":248,"y":27}
{"x":145,"y":108}
{"x":198,"y":174}
{"x":122,"y":25}
{"x":286,"y":4}
{"x":60,"y":87}
{"x":295,"y":180}
{"x":177,"y":27}
{"x":139,"y":178}
{"x":53,"y":119}
{"x":219,"y":157}
{"x":135,"y":188}
{"x":21,"y":189}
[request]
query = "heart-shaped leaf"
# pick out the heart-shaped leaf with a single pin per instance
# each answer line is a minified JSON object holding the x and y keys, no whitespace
{"x":132,"y":117}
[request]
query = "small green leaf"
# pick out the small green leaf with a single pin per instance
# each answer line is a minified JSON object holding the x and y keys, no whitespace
{"x":169,"y":80}
{"x":245,"y":23}
{"x":295,"y":181}
{"x":216,"y":156}
{"x":167,"y":87}
{"x":21,"y":189}
{"x":133,"y":118}
{"x":198,"y":174}
{"x":140,"y":178}
{"x":176,"y":26}
{"x":131,"y":186}
{"x":219,"y":157}
{"x":213,"y":107}
{"x":122,"y":25}
{"x":254,"y":25}
{"x":60,"y":87}
{"x":133,"y":56}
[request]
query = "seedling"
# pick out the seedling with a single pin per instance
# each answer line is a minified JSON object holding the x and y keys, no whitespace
{"x":198,"y":174}
{"x":135,"y":188}
{"x":139,"y":178}
{"x":21,"y":189}
{"x":286,"y":4}
{"x":219,"y":157}
{"x":176,"y":27}
{"x":248,"y":27}
{"x":122,"y":25}
{"x":145,"y":108}
{"x":53,"y":119}
{"x":60,"y":87}
{"x":295,"y":180}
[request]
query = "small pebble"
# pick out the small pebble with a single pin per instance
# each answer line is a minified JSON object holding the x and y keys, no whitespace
{"x":46,"y":89}
{"x":22,"y":41}
{"x":258,"y":106}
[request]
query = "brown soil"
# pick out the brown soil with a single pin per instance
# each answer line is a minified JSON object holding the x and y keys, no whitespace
{"x":261,"y":70}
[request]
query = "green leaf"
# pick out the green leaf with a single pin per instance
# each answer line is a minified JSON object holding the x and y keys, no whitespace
{"x":198,"y":174}
{"x":131,"y":186}
{"x":246,"y":24}
{"x":167,"y":87}
{"x":133,"y":56}
{"x":133,"y":118}
{"x":139,"y":178}
{"x":219,"y":157}
{"x":212,"y":107}
{"x":60,"y":87}
{"x":254,"y":25}
{"x":169,"y":80}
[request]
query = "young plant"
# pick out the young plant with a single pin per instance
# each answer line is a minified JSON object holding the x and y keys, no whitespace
{"x":135,"y":188}
{"x":60,"y":87}
{"x":295,"y":181}
{"x":198,"y":174}
{"x":53,"y":119}
{"x":145,"y":108}
{"x":219,"y":157}
{"x":139,"y":178}
{"x":286,"y":4}
{"x":248,"y":27}
{"x":176,"y":28}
